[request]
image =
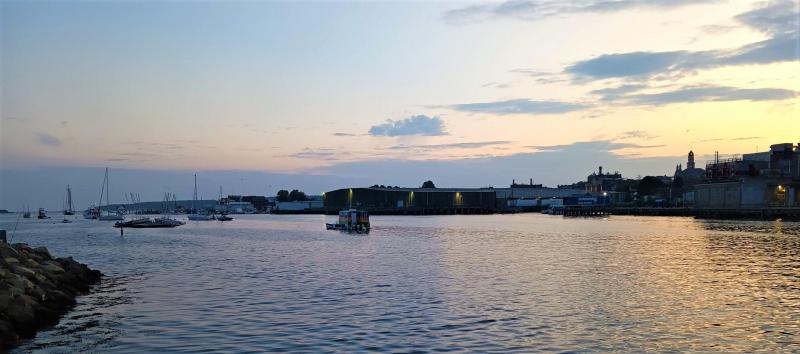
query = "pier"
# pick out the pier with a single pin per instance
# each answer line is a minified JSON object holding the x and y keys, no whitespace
{"x":789,"y":214}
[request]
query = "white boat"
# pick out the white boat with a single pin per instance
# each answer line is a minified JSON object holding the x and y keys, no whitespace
{"x":91,"y":213}
{"x":111,"y":216}
{"x":42,"y":214}
{"x":195,"y":216}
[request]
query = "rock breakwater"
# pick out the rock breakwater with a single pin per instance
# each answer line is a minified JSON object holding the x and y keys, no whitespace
{"x":36,"y":289}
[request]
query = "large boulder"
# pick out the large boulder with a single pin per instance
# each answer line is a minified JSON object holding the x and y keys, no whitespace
{"x":36,"y":289}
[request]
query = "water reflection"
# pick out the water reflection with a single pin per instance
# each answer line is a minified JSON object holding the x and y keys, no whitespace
{"x":521,"y":282}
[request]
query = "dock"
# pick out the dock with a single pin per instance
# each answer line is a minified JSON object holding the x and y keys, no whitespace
{"x":788,"y":214}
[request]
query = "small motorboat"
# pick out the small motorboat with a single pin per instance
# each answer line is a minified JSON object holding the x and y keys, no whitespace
{"x":66,"y":221}
{"x":351,"y":221}
{"x":42,"y":214}
{"x":224,"y":217}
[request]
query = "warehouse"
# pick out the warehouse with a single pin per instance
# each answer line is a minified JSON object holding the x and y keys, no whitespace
{"x":413,"y":201}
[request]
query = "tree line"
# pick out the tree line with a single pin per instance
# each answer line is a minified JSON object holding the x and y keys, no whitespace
{"x":293,"y":196}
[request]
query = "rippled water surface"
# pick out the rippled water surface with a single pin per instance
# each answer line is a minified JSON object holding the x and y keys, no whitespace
{"x":524,"y":282}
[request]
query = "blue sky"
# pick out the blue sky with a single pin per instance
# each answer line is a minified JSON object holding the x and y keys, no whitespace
{"x":319,"y":95}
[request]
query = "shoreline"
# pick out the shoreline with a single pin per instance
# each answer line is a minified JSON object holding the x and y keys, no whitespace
{"x":37,"y":289}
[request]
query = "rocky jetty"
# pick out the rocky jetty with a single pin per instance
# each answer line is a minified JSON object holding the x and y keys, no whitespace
{"x":36,"y":289}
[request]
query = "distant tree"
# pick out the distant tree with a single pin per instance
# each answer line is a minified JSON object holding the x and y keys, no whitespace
{"x":428,"y":184}
{"x":650,"y":185}
{"x":296,"y":195}
{"x":283,"y":195}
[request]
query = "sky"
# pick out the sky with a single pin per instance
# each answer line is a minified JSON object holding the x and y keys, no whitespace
{"x":256,"y":96}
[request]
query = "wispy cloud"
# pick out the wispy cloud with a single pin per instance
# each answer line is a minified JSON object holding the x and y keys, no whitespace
{"x":519,"y":106}
{"x":543,"y":77}
{"x":414,"y":125}
{"x":318,"y":154}
{"x":777,"y":19}
{"x":469,"y":145}
{"x":599,"y":145}
{"x":49,"y":140}
{"x":636,"y":134}
{"x":534,"y":10}
{"x":613,"y":93}
{"x":708,"y":94}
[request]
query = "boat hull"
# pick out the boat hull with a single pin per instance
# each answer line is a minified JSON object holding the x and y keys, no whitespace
{"x":198,"y":217}
{"x":111,"y":218}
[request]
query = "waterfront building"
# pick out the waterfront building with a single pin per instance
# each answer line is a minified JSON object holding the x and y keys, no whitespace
{"x":413,"y":200}
{"x":691,"y":173}
{"x":298,"y":206}
{"x":257,"y":202}
{"x":535,"y":191}
{"x":602,"y":182}
{"x":760,"y":180}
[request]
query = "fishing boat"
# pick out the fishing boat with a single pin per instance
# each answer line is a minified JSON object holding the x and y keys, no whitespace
{"x":69,"y":209}
{"x":108,"y":215}
{"x":195,"y":216}
{"x":42,"y":214}
{"x":351,"y":220}
{"x":91,"y":213}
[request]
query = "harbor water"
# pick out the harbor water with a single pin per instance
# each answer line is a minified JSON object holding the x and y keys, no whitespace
{"x":503,"y":283}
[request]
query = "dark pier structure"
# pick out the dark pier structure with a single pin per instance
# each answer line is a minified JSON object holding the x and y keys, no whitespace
{"x":412,"y":201}
{"x":786,"y":214}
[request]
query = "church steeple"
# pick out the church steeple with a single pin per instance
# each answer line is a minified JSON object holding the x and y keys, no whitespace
{"x":690,"y":163}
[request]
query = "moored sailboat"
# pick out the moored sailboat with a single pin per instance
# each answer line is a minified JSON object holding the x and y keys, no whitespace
{"x":108,"y":215}
{"x":195,"y":216}
{"x":69,"y":209}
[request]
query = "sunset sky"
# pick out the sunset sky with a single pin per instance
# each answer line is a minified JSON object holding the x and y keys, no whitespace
{"x":319,"y":95}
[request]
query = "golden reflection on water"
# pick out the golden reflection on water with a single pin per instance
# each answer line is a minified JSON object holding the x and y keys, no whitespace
{"x":652,"y":283}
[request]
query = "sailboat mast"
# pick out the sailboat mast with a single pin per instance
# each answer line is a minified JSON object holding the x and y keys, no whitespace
{"x":102,"y":191}
{"x":194,"y":196}
{"x":69,"y":199}
{"x":107,"y":183}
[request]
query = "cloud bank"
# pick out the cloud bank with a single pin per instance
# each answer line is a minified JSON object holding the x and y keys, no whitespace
{"x":534,"y":10}
{"x":519,"y":106}
{"x":414,"y":125}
